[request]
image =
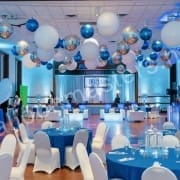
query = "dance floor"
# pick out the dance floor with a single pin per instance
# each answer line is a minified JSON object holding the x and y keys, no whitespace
{"x":134,"y":131}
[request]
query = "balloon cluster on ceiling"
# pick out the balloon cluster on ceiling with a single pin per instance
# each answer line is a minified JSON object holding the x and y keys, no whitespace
{"x":135,"y":47}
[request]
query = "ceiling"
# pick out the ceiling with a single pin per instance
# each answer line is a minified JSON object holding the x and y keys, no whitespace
{"x":59,"y":14}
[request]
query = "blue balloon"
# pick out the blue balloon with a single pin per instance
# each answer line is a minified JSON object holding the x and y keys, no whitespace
{"x":13,"y":50}
{"x":110,"y":62}
{"x":60,"y":44}
{"x":139,"y":57}
{"x":145,"y":34}
{"x":78,"y":57}
{"x":49,"y":66}
{"x":43,"y":62}
{"x":153,"y":55}
{"x":145,"y":63}
{"x":104,"y":55}
{"x":87,"y":31}
{"x":157,"y":45}
{"x":32,"y":25}
{"x":145,"y":45}
{"x":81,"y":66}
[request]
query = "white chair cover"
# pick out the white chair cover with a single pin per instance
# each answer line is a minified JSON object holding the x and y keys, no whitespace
{"x":119,"y":141}
{"x":47,"y":158}
{"x":24,"y":134}
{"x":159,"y":173}
{"x":84,"y":162}
{"x":22,"y":147}
{"x":97,"y":166}
{"x":6,"y":161}
{"x":46,"y":125}
{"x":8,"y":145}
{"x":99,"y":139}
{"x":71,"y":160}
{"x":170,"y":141}
{"x":17,"y":173}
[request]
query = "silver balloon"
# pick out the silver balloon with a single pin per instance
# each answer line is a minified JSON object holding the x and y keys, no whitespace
{"x":165,"y":54}
{"x":62,"y":68}
{"x":72,"y":66}
{"x":5,"y":30}
{"x":101,"y":63}
{"x":116,"y":58}
{"x":67,"y":60}
{"x":130,"y":35}
{"x":71,"y":42}
{"x":35,"y":58}
{"x":120,"y":68}
{"x":22,"y":48}
{"x":123,"y":48}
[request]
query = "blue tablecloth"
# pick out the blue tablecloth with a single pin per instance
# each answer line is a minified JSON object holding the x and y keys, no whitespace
{"x":133,"y":169}
{"x":61,"y":139}
{"x":1,"y":115}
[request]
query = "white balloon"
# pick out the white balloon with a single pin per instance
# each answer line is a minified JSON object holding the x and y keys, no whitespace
{"x":62,"y":68}
{"x":170,"y":34}
{"x":90,"y":64}
{"x":45,"y":55}
{"x":27,"y":62}
{"x":6,"y":90}
{"x":89,"y":50}
{"x":72,"y":66}
{"x":129,"y":58}
{"x":46,"y":37}
{"x":93,"y":40}
{"x":108,"y":23}
{"x":59,"y":55}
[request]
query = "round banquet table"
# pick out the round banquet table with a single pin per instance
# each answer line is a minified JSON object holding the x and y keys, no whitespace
{"x":118,"y":166}
{"x":61,"y":138}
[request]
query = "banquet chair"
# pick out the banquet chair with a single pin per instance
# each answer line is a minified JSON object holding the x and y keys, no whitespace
{"x":17,"y":172}
{"x":119,"y":141}
{"x":168,"y":125}
{"x":97,"y":166}
{"x":47,"y":124}
{"x":47,"y":158}
{"x":8,"y":145}
{"x":6,"y":162}
{"x":170,"y":141}
{"x":24,"y":134}
{"x":71,"y":160}
{"x":22,"y":147}
{"x":99,"y":139}
{"x":159,"y":173}
{"x":84,"y":162}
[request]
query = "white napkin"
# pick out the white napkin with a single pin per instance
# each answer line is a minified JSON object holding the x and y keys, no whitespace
{"x":126,"y":159}
{"x":117,"y":152}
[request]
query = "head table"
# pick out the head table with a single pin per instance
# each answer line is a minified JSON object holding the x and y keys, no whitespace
{"x":129,"y":163}
{"x":61,"y":138}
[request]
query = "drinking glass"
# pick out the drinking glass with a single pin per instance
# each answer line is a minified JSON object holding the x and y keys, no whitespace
{"x":177,"y":152}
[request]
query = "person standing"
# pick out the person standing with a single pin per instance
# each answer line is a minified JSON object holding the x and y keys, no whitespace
{"x":117,"y":100}
{"x":18,"y":107}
